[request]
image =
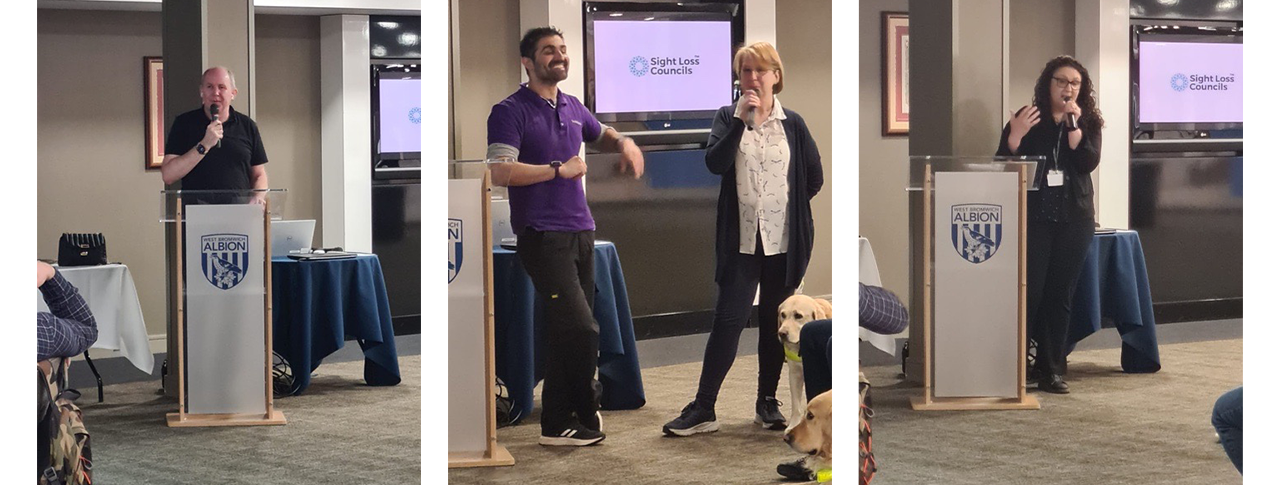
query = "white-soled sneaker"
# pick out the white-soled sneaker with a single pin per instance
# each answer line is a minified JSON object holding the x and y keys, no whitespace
{"x":574,"y":435}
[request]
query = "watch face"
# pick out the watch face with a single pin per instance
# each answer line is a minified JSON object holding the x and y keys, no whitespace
{"x":200,"y":149}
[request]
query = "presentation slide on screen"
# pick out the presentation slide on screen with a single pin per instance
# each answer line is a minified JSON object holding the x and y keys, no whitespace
{"x":400,"y":115}
{"x":662,"y":66}
{"x":1190,"y":82}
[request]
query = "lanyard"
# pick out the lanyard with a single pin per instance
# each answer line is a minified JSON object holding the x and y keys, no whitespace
{"x":1056,"y":145}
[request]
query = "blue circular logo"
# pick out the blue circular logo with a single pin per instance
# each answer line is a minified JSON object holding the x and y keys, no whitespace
{"x":1178,"y":82}
{"x":415,"y":116}
{"x":639,"y":66}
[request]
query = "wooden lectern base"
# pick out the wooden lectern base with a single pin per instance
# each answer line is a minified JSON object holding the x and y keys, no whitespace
{"x":919,"y":403}
{"x":177,"y":420}
{"x":501,"y":457}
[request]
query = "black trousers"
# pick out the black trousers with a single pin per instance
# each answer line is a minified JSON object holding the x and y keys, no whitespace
{"x":1055,"y":254}
{"x":733,"y":308}
{"x":562,"y":267}
{"x":815,"y":352}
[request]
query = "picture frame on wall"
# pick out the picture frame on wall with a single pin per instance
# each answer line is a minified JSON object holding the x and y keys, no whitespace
{"x":895,"y":74}
{"x":153,"y":82}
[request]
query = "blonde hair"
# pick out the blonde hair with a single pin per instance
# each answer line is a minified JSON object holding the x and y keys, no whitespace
{"x":763,"y":53}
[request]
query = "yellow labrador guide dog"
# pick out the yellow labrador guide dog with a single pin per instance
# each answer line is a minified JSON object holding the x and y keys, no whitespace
{"x":793,"y":313}
{"x":812,"y":435}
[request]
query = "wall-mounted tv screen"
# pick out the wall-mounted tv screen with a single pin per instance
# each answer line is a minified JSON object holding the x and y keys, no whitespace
{"x":1190,"y":81}
{"x":645,"y":63}
{"x":400,"y":115}
{"x":397,"y":114}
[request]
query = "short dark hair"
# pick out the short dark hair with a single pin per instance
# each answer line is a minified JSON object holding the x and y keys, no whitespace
{"x":530,"y":41}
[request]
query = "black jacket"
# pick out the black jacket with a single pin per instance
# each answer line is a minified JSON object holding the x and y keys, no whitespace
{"x":804,"y":176}
{"x":1076,"y":164}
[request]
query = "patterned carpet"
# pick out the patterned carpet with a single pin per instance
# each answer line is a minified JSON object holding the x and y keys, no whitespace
{"x":1113,"y":428}
{"x":340,"y":431}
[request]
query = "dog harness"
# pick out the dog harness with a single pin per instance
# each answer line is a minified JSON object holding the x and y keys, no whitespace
{"x":791,"y":356}
{"x":824,"y":476}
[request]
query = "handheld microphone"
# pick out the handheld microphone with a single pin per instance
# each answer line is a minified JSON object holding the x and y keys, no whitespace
{"x":213,"y":110}
{"x":751,"y":113}
{"x":1071,"y":117}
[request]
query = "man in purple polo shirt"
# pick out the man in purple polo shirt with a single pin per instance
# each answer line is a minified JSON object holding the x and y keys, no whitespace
{"x":539,"y":132}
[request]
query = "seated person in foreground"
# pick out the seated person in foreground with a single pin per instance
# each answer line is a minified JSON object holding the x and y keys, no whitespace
{"x":1228,"y":420}
{"x":68,"y":328}
{"x":879,"y":311}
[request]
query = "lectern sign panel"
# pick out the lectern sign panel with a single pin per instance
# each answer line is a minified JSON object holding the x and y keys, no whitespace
{"x":976,"y":231}
{"x":469,"y":388}
{"x":975,"y":303}
{"x":225,"y":288}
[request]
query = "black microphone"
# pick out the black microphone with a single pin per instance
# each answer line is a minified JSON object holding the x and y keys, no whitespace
{"x":1071,"y":117}
{"x":751,"y":113}
{"x":213,"y":110}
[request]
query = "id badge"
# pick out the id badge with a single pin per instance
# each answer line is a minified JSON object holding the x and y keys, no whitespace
{"x":1054,"y":178}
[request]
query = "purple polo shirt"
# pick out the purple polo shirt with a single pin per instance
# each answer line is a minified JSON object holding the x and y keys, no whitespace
{"x":543,"y":134}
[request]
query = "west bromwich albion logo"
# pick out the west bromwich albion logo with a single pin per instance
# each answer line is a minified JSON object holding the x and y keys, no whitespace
{"x":455,"y":248}
{"x":976,"y":231}
{"x":224,"y":259}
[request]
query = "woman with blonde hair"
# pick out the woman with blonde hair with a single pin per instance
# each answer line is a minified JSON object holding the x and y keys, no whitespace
{"x":770,"y":168}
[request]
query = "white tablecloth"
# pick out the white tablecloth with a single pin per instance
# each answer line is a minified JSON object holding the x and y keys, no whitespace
{"x":869,"y":274}
{"x":113,"y":299}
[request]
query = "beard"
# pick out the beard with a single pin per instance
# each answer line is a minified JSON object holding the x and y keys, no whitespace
{"x":549,"y":75}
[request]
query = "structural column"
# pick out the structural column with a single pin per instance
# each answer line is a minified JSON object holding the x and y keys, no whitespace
{"x":197,"y":35}
{"x":958,"y":86}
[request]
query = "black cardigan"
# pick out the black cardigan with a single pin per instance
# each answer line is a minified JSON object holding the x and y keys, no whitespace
{"x":1075,"y":164}
{"x":804,"y":176}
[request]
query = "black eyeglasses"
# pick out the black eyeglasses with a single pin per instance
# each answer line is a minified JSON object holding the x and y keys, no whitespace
{"x":1062,"y":83}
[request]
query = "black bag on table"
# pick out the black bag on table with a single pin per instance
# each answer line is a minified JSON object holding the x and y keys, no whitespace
{"x":82,"y":249}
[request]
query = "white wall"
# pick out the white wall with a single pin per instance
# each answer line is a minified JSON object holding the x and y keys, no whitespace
{"x":1102,"y":41}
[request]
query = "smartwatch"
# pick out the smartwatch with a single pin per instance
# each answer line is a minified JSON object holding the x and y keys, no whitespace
{"x":200,"y":148}
{"x":556,"y":165}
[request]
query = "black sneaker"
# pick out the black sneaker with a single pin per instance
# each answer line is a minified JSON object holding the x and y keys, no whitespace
{"x":796,"y":471}
{"x":574,"y":435}
{"x":692,"y":420}
{"x":593,"y":422}
{"x":768,"y":414}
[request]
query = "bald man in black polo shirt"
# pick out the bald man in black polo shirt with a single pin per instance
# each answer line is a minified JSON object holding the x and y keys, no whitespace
{"x":215,"y":153}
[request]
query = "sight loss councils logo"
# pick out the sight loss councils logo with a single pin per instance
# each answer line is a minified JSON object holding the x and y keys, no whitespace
{"x":639,"y":66}
{"x":415,"y":115}
{"x":455,"y":248}
{"x":976,"y":231}
{"x":224,"y":259}
{"x":1203,"y":82}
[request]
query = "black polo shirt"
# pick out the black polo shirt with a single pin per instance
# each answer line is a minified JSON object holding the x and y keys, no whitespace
{"x":223,"y":168}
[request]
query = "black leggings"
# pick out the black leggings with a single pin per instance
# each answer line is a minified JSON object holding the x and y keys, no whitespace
{"x":733,"y":307}
{"x":1055,"y":254}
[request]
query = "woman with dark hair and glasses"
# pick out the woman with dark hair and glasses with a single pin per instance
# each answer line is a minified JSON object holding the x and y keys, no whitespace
{"x":1064,"y":126}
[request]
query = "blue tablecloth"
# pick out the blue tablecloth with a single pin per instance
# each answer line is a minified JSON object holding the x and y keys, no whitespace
{"x":1113,"y":288}
{"x":518,"y":340}
{"x":317,"y":303}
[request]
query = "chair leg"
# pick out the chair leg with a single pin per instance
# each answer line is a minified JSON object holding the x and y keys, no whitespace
{"x":96,"y":375}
